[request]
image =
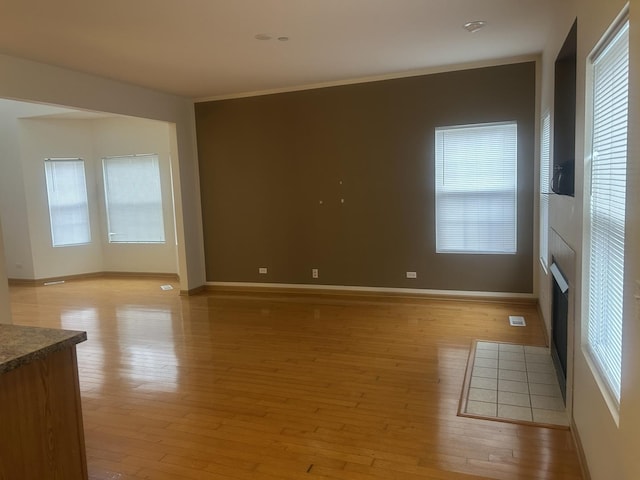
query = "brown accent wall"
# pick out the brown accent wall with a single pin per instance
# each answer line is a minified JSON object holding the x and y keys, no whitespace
{"x":274,"y":170}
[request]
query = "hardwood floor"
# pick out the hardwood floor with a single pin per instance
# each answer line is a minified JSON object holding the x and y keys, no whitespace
{"x":265,"y":387}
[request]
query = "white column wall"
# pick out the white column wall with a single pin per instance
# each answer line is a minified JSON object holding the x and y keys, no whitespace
{"x":5,"y":305}
{"x":13,"y":206}
{"x":609,"y":436}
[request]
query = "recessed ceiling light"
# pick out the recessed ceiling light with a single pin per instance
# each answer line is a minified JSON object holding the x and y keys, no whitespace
{"x":263,"y":36}
{"x":473,"y":27}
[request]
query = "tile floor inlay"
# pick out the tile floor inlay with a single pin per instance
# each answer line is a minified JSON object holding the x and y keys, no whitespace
{"x":514,"y":383}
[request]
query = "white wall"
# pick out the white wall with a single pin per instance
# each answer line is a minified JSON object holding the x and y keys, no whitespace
{"x":40,"y":139}
{"x":611,"y":450}
{"x":24,"y":203}
{"x":32,"y":81}
{"x":126,"y":136}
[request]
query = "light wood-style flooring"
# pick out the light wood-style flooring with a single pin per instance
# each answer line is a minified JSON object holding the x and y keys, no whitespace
{"x":282,"y":387}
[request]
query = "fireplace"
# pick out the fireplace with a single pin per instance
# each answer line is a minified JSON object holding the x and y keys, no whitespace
{"x":559,"y":325}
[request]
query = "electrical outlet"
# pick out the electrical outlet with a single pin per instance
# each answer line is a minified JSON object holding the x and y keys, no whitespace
{"x":262,"y":270}
{"x":412,"y":275}
{"x":314,"y":272}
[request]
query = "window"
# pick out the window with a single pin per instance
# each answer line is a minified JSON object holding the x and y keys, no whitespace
{"x":133,"y":199}
{"x":545,"y":160}
{"x":476,"y":187}
{"x":68,"y":206}
{"x":610,"y":69}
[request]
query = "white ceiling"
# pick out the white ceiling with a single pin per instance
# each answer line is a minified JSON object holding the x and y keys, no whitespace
{"x":206,"y":48}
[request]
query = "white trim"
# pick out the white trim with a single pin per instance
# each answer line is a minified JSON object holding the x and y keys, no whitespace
{"x":460,"y":152}
{"x":596,"y":372}
{"x":350,"y":288}
{"x":543,"y":265}
{"x":376,"y":78}
{"x":609,"y":34}
{"x":594,"y":363}
{"x":559,"y":278}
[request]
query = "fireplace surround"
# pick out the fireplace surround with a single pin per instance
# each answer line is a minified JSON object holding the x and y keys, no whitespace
{"x":562,"y":287}
{"x":559,"y":325}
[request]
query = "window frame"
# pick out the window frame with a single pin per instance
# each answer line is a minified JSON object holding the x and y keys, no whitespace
{"x":84,"y":205}
{"x":441,"y":191}
{"x":545,"y":181}
{"x":159,"y":200}
{"x":610,"y":387}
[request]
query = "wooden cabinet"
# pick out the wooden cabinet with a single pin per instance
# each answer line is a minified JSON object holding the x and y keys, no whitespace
{"x":41,"y":432}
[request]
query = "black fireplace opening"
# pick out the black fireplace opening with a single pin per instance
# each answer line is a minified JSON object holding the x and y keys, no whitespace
{"x":559,"y":326}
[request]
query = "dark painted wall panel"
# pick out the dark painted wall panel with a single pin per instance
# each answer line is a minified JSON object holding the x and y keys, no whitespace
{"x":266,"y":163}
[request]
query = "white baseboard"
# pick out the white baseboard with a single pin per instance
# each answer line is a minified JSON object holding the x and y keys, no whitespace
{"x":381,"y":290}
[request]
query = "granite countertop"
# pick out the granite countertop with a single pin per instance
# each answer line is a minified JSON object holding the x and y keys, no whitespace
{"x":20,"y":345}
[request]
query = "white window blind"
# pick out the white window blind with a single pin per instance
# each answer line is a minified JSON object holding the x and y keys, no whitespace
{"x":545,"y":159}
{"x":607,"y":207}
{"x":68,"y":206}
{"x":133,"y":199}
{"x":476,"y":188}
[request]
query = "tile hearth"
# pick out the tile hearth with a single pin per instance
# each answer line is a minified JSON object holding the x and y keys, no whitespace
{"x":514,"y":383}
